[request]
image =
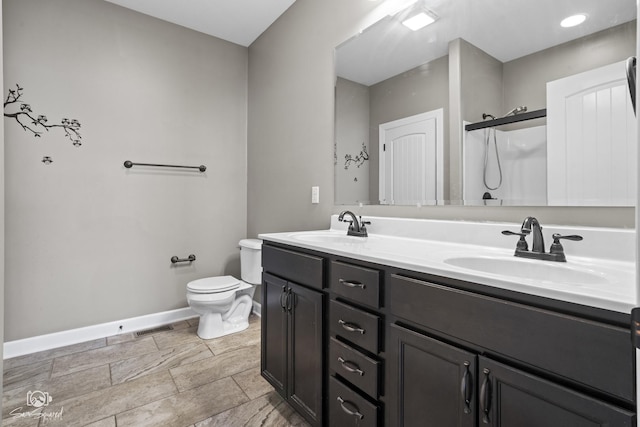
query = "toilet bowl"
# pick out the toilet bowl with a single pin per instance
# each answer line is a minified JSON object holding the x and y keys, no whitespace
{"x":224,"y":303}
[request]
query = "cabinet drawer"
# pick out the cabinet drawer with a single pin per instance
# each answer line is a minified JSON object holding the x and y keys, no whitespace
{"x":348,"y":408}
{"x":356,"y":368}
{"x":294,"y":266}
{"x":356,"y":326}
{"x":356,"y":283}
{"x":594,"y":354}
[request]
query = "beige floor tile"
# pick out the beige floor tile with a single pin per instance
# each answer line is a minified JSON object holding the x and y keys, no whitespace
{"x":60,"y":388}
{"x":97,"y":405}
{"x":120,"y":338}
{"x":266,"y":411}
{"x":248,"y":337}
{"x":80,"y":361}
{"x":130,"y":336}
{"x":147,"y":372}
{"x":107,"y":422}
{"x":176,"y":338}
{"x":186,"y":408}
{"x":216,"y":367}
{"x":135,"y":367}
{"x":24,"y":420}
{"x":252,"y":383}
{"x":23,"y":375}
{"x":183,"y":324}
{"x":52,"y":353}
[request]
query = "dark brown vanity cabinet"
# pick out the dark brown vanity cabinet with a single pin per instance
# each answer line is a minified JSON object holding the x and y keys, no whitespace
{"x":292,"y":330}
{"x":351,"y":343}
{"x":435,"y":383}
{"x":355,"y":363}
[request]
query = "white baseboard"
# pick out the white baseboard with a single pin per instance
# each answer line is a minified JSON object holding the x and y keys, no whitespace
{"x":257,"y":309}
{"x":88,"y":333}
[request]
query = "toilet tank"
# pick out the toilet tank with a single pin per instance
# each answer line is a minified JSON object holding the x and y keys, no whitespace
{"x":251,"y":261}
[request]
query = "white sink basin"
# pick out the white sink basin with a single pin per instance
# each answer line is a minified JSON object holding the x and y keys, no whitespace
{"x":543,"y":271}
{"x":327,"y":237}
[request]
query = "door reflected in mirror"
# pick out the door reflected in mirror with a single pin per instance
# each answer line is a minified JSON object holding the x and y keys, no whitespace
{"x":480,"y":62}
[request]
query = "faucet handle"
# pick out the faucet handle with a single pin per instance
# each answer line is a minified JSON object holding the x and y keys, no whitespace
{"x":363,"y":223}
{"x":556,"y":246}
{"x":574,"y":237}
{"x":522,"y":243}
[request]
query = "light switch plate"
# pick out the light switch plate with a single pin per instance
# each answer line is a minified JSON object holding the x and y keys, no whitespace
{"x":315,"y":194}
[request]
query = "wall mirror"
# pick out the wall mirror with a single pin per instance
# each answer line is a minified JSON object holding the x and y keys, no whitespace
{"x":492,"y":103}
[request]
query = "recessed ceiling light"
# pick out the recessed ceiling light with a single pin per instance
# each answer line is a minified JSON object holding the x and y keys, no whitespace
{"x":573,"y":20}
{"x":418,"y":21}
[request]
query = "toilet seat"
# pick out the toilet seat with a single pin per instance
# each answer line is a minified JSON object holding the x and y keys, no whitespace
{"x":213,"y":285}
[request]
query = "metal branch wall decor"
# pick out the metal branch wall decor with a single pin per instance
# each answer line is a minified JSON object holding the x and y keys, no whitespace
{"x":15,"y":108}
{"x":358,"y":160}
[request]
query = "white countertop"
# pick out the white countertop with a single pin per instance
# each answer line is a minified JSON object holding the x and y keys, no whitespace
{"x":602,"y":276}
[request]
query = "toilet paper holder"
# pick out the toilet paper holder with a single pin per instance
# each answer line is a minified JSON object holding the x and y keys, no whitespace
{"x":190,"y":258}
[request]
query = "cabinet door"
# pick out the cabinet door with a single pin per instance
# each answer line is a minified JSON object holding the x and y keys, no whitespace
{"x":431,"y":384}
{"x":511,"y":398}
{"x":273,"y":358}
{"x":306,"y":352}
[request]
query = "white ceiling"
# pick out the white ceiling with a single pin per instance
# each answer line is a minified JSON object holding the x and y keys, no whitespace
{"x":505,"y":29}
{"x":237,"y":21}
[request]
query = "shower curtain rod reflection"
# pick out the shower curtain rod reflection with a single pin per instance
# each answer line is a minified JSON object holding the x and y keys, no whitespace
{"x":128,"y":164}
{"x":507,"y":120}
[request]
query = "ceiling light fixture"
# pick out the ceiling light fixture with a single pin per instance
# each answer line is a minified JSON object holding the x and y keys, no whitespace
{"x":573,"y":20}
{"x":419,"y":20}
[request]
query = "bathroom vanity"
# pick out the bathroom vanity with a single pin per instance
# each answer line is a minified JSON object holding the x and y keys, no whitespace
{"x":445,"y":328}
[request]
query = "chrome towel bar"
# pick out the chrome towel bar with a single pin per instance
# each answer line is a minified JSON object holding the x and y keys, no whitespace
{"x":190,"y":258}
{"x":128,"y":164}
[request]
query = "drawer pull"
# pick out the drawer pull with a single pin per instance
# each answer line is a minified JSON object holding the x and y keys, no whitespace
{"x":485,"y":396}
{"x":349,"y":366}
{"x":467,"y":388}
{"x":345,"y":404}
{"x":350,"y":284}
{"x":351,"y":327}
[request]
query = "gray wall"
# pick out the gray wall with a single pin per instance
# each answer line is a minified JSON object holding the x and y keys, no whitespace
{"x":481,"y":83}
{"x":291,"y":81}
{"x":476,"y":83}
{"x":2,"y":205}
{"x":291,"y":111}
{"x":525,"y":79}
{"x":90,"y":241}
{"x":352,"y":131}
{"x":421,"y":89}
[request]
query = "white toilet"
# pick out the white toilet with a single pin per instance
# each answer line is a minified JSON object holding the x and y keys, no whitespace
{"x":224,"y":302}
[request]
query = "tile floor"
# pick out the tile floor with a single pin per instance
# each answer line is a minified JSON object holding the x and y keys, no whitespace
{"x":170,"y":378}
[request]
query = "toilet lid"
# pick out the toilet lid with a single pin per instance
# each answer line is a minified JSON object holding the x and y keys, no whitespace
{"x":210,"y":285}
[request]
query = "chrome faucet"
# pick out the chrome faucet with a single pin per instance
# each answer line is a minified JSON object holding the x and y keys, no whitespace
{"x":356,"y":227}
{"x":530,"y":225}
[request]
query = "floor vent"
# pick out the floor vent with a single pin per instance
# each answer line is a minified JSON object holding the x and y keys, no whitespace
{"x":154,"y":330}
